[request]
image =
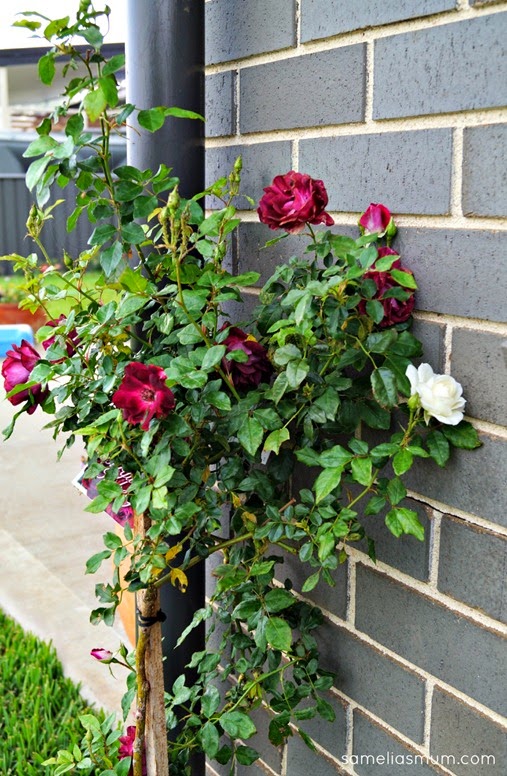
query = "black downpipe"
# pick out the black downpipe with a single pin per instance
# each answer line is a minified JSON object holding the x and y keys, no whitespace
{"x":165,"y":66}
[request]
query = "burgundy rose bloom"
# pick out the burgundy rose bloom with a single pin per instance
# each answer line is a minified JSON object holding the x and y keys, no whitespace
{"x":246,"y":374}
{"x":71,"y":339}
{"x":16,"y":370}
{"x":376,"y":219}
{"x":395,"y":310}
{"x":143,"y":394}
{"x":292,"y":201}
{"x":101,"y":654}
{"x":127,"y":748}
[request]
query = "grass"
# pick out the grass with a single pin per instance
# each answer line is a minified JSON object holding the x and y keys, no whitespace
{"x":10,"y":283}
{"x":40,"y":707}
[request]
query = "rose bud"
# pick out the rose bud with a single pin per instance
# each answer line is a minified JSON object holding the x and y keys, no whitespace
{"x":292,"y":201}
{"x":101,"y":654}
{"x":71,"y":339}
{"x":377,"y":219}
{"x":249,"y":373}
{"x":16,"y":370}
{"x":395,"y":310}
{"x":143,"y":394}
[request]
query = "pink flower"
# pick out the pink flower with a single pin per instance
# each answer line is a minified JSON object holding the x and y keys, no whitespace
{"x":101,"y":654}
{"x":395,"y":310}
{"x":16,"y":370}
{"x":127,"y":748}
{"x":143,"y":394}
{"x":377,"y":218}
{"x":71,"y":339}
{"x":292,"y":201}
{"x":250,"y":373}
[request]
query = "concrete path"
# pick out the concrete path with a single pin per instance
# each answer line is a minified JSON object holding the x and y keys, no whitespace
{"x":45,"y":541}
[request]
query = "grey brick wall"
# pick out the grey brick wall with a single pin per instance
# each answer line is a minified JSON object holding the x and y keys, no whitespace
{"x":401,"y":103}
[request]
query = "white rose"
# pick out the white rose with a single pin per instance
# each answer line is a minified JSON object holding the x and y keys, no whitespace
{"x":440,"y":395}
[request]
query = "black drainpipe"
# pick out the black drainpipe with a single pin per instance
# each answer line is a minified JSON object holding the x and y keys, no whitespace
{"x":165,"y":66}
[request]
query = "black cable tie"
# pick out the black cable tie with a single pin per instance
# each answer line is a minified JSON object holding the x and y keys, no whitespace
{"x":147,"y":622}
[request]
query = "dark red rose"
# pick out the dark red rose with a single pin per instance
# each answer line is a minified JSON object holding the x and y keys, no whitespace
{"x":395,"y":310}
{"x":292,"y":201}
{"x":71,"y":339}
{"x":143,"y":394}
{"x":127,"y":748}
{"x":250,"y":373}
{"x":16,"y":370}
{"x":377,"y":218}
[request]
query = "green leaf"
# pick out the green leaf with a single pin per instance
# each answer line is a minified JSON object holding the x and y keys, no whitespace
{"x":463,"y":435}
{"x":402,"y":461}
{"x":379,"y":342}
{"x":40,"y":146}
{"x":93,"y":563}
{"x":245,"y":755}
{"x":335,"y":456}
{"x":362,"y":470}
{"x":151,"y":119}
{"x":210,"y":701}
{"x":108,"y":88}
{"x":396,"y":491}
{"x":404,"y":521}
{"x":275,"y":440}
{"x":36,"y":171}
{"x":93,"y":36}
{"x":250,"y":435}
{"x":46,"y":68}
{"x":278,"y":634}
{"x":296,"y":372}
{"x":375,"y":505}
{"x":219,"y":400}
{"x":111,"y":258}
{"x":311,"y":582}
{"x":383,"y":383}
{"x":237,"y":724}
{"x":94,"y":104}
{"x":181,"y":113}
{"x":405,"y":279}
{"x":114,"y":64}
{"x":438,"y":447}
{"x":278,"y":599}
{"x":327,"y":481}
{"x":210,"y":739}
{"x":213,"y":357}
{"x":132,"y":233}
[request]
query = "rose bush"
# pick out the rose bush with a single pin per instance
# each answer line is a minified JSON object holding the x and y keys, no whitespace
{"x":248,"y":445}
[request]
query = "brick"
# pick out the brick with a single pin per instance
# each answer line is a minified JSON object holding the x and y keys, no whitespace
{"x":248,"y":770}
{"x":473,"y":481}
{"x":409,"y":172}
{"x":431,"y":335}
{"x":322,"y":19}
{"x":405,"y":553}
{"x":333,"y":599}
{"x":269,"y":754}
{"x":302,"y":760}
{"x":423,"y":632}
{"x":220,"y":105}
{"x":458,"y":271}
{"x":260,"y":164}
{"x":485,"y":170}
{"x":477,"y":578}
{"x":363,"y":674}
{"x":375,"y":750}
{"x":240,"y":28}
{"x":325,"y":88}
{"x":332,"y":736}
{"x":459,"y":731}
{"x":478,"y":364}
{"x":452,"y":67}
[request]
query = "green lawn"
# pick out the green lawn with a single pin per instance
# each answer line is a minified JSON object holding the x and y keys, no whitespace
{"x":40,"y":707}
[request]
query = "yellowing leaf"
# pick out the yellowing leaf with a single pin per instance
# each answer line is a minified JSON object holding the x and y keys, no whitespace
{"x":172,"y":552}
{"x":179,"y":579}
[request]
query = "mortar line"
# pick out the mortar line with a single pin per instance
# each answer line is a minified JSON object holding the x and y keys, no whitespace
{"x":434,"y":550}
{"x":467,"y":517}
{"x":428,"y":705}
{"x":369,"y":75}
{"x":448,"y":331}
{"x":350,"y":614}
{"x":463,"y":323}
{"x":457,"y":172}
{"x":298,"y":23}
